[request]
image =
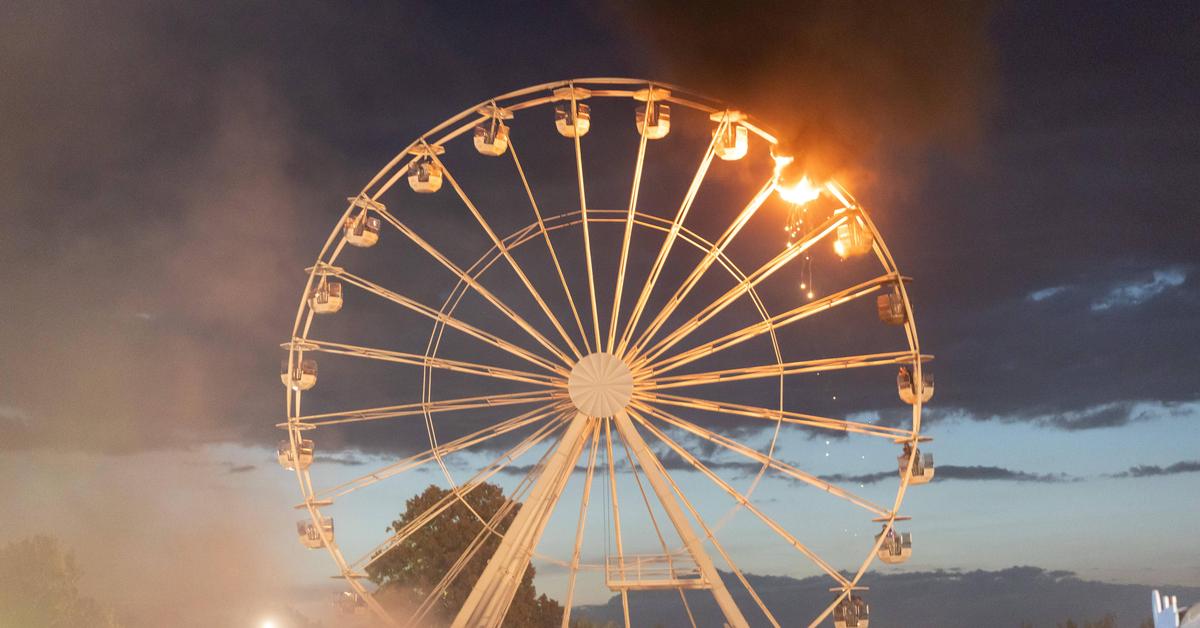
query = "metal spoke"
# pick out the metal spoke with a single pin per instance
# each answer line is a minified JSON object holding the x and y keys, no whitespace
{"x":633,"y":197}
{"x":616,"y":511}
{"x":512,"y":149}
{"x":798,"y":418}
{"x":583,"y":210}
{"x":756,"y":456}
{"x":775,"y":527}
{"x":422,"y":407}
{"x":775,"y":322}
{"x":583,"y":508}
{"x":503,"y":249}
{"x":665,"y":249}
{"x":787,"y":368}
{"x":475,"y":285}
{"x":416,"y":460}
{"x":714,"y":253}
{"x":420,"y":359}
{"x":764,"y":271}
{"x":445,"y":319}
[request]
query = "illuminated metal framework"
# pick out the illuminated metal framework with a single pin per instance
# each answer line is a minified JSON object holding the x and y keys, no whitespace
{"x":593,"y":390}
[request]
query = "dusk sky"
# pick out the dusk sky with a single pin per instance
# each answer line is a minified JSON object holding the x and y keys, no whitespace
{"x":168,"y":170}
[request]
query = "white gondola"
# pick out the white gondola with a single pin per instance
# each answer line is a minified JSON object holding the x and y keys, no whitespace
{"x":907,"y":388}
{"x":350,"y":603}
{"x":568,"y":127}
{"x":852,"y":612}
{"x":425,"y":175}
{"x":362,"y":230}
{"x":922,"y":465}
{"x":310,"y":534}
{"x":896,"y":547}
{"x":734,"y":142}
{"x":326,"y":297}
{"x":658,"y":123}
{"x":298,"y":376}
{"x":891,"y":308}
{"x":491,"y":138}
{"x":853,"y":239}
{"x":304,"y":454}
{"x":491,"y":135}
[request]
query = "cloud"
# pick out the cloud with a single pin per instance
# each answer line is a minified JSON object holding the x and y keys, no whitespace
{"x":955,"y":472}
{"x":862,"y":478}
{"x":1046,"y":293}
{"x":1102,"y":416}
{"x":1107,"y":415}
{"x":242,"y":468}
{"x":1146,"y":471}
{"x":1137,"y":292}
{"x":346,"y":459}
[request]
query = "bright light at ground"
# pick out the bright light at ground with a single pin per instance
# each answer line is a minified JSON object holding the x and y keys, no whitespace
{"x":268,"y":624}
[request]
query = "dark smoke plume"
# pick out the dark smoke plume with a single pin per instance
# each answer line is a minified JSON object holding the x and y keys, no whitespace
{"x":839,"y":80}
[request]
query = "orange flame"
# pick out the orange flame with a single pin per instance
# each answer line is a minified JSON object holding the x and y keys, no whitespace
{"x":799,"y":193}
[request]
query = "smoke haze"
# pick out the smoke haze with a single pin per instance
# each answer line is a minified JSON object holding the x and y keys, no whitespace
{"x":840,"y":81}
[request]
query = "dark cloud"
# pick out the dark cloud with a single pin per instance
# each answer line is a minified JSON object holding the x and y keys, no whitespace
{"x":862,"y":478}
{"x":349,"y":460}
{"x":242,"y":468}
{"x":1150,"y":470}
{"x":975,"y":472}
{"x":1113,"y":415}
{"x":955,"y":472}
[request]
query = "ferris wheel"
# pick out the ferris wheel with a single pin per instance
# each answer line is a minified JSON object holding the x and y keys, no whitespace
{"x":597,"y":352}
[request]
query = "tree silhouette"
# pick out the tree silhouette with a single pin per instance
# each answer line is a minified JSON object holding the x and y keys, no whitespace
{"x":410,"y":571}
{"x":38,"y":581}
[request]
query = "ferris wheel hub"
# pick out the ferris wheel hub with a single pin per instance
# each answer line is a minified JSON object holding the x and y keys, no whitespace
{"x":600,"y":385}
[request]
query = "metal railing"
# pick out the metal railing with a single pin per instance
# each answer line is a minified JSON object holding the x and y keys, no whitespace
{"x":653,"y":571}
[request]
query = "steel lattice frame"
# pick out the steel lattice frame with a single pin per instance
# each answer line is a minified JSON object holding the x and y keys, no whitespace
{"x":641,"y":342}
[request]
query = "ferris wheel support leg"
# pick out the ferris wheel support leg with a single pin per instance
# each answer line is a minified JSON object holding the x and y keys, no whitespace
{"x":490,"y":598}
{"x":655,"y":475}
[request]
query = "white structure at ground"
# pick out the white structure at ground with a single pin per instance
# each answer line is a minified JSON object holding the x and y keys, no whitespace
{"x":1167,"y":614}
